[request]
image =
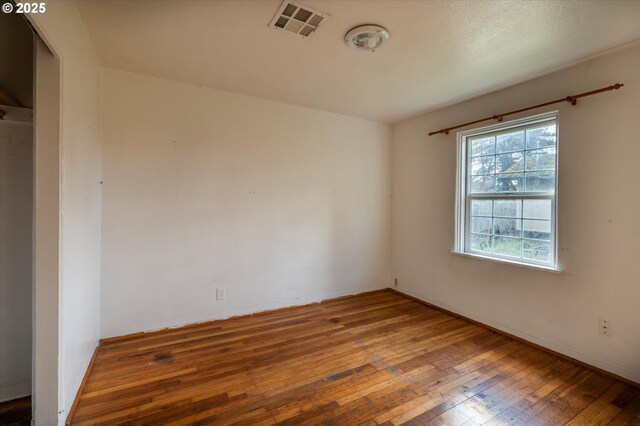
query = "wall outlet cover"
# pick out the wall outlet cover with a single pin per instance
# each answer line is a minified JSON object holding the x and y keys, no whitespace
{"x":221,"y":293}
{"x":604,"y":327}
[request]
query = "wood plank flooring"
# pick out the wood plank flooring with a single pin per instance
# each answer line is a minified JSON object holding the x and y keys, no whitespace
{"x":371,"y":359}
{"x":16,"y":412}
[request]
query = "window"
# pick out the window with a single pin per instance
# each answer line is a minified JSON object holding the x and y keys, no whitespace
{"x":506,"y":203}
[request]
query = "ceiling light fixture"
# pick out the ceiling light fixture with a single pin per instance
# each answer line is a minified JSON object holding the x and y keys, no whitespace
{"x":366,"y":37}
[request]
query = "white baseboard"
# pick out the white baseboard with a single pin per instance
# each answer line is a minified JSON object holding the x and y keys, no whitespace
{"x":282,"y":302}
{"x":15,"y":391}
{"x":559,"y":347}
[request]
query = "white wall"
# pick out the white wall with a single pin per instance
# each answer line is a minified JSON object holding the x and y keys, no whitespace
{"x":16,"y":208}
{"x":282,"y":205}
{"x":80,"y":196}
{"x":599,"y":207}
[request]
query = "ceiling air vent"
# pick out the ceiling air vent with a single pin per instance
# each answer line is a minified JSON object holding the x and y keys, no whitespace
{"x":297,"y":18}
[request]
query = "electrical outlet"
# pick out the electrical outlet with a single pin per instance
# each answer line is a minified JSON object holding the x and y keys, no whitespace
{"x":221,"y":293}
{"x":604,"y":327}
{"x":395,"y":282}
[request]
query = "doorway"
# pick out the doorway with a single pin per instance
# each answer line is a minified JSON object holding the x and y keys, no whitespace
{"x":44,"y":83}
{"x":16,"y":218}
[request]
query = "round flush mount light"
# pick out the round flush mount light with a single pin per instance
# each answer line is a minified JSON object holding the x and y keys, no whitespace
{"x":366,"y":37}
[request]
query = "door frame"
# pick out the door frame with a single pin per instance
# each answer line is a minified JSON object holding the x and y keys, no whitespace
{"x":46,"y":374}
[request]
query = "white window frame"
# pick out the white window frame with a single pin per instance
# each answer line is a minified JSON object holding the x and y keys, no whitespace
{"x":463,"y":198}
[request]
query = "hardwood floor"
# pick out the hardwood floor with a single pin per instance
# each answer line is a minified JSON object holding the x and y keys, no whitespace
{"x":16,"y":412}
{"x":372,"y":359}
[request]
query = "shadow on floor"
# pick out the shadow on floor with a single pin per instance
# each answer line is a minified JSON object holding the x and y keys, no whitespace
{"x":16,"y":412}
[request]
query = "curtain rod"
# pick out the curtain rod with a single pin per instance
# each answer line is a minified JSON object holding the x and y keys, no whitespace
{"x":499,"y":117}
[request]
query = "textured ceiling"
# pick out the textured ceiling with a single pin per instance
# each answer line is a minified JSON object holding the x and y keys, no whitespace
{"x":439,"y":52}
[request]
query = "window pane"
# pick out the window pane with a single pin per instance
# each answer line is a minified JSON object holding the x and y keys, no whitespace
{"x":536,"y":250}
{"x":541,"y":159}
{"x":483,"y":183}
{"x":541,"y":182}
{"x":510,"y":142}
{"x":541,"y":137}
{"x":509,"y":182}
{"x":506,"y":246}
{"x":508,"y":208}
{"x":481,"y":225}
{"x":510,"y":191}
{"x":481,"y":207}
{"x":508,"y":227}
{"x":538,"y":229}
{"x":484,"y":146}
{"x":481,"y":242}
{"x":537,"y":209}
{"x":483,"y":165}
{"x":510,"y":163}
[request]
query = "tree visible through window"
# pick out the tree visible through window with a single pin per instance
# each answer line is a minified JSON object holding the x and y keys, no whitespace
{"x":507,"y":191}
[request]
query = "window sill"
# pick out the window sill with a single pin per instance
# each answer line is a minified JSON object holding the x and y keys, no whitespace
{"x":509,"y":262}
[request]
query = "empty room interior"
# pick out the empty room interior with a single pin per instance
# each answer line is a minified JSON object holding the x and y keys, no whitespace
{"x":319,"y":212}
